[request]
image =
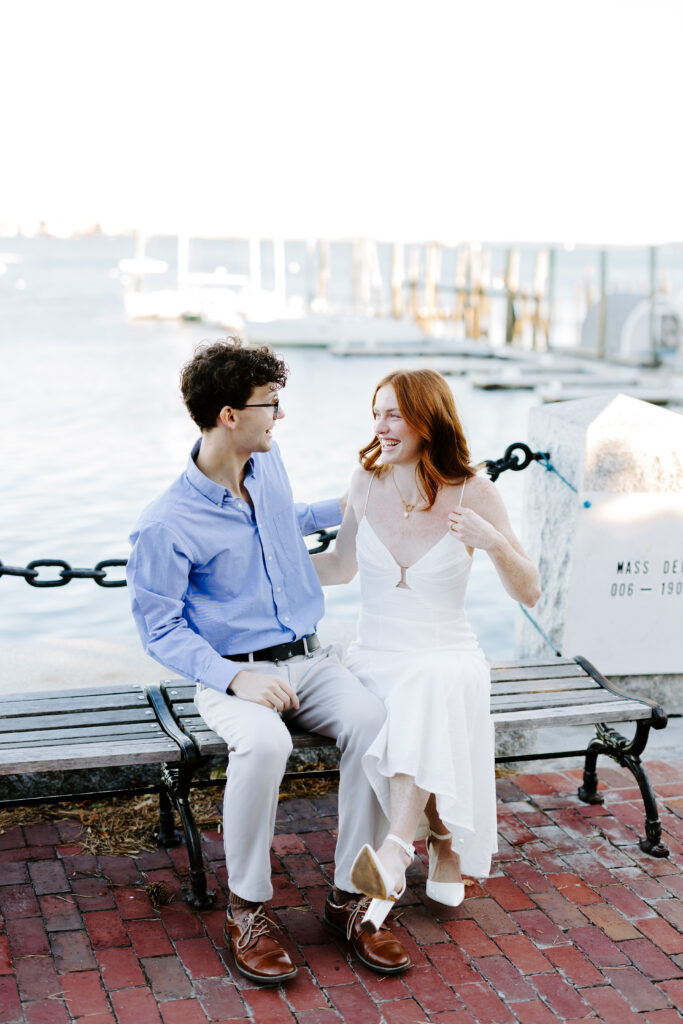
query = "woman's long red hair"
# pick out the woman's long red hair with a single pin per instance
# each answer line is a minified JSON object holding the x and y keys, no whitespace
{"x":426,"y":403}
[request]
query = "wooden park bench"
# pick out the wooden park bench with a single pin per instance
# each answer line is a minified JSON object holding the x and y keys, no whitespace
{"x":524,"y":695}
{"x":81,"y":739}
{"x":84,"y":731}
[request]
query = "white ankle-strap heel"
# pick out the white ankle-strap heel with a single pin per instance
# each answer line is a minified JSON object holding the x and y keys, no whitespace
{"x":450,"y":894}
{"x":406,"y":847}
{"x":369,"y":876}
{"x":376,"y":915}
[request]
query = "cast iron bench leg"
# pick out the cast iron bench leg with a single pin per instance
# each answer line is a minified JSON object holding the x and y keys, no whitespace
{"x":626,"y":753}
{"x":168,"y":834}
{"x":176,"y":782}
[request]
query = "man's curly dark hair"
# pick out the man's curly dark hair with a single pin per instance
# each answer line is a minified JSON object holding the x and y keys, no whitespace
{"x":226,"y":373}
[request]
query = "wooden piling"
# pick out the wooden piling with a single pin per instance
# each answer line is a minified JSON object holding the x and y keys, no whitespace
{"x":540,"y":281}
{"x":654,"y":358}
{"x":511,"y":290}
{"x":602,"y":315}
{"x":552,"y":261}
{"x":323,"y":294}
{"x":414,"y":280}
{"x":397,"y":280}
{"x":461,"y":264}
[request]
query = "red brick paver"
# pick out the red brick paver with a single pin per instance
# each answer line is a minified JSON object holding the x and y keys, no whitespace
{"x":574,"y":924}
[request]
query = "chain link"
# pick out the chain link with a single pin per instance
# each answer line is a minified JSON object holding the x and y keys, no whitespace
{"x":494,"y":467}
{"x":325,"y":538}
{"x":15,"y":570}
{"x":101,"y":570}
{"x":66,"y":574}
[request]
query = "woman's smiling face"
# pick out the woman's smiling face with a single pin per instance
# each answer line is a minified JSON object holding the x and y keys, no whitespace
{"x":400,"y":442}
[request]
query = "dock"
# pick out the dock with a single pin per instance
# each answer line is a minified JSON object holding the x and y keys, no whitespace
{"x":521,"y":380}
{"x":656,"y":395}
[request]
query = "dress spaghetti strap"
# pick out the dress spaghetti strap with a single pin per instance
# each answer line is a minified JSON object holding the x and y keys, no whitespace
{"x":368,"y":493}
{"x":462,"y":493}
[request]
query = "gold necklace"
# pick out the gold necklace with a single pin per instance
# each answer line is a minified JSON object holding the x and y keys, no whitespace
{"x":408,"y":508}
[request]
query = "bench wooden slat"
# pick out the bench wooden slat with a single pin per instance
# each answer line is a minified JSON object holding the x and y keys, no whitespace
{"x":188,"y":716}
{"x":209,"y":744}
{"x":83,"y":735}
{"x":77,"y":692}
{"x":114,"y":753}
{"x":620,"y":711}
{"x":576,"y":698}
{"x":542,"y":662}
{"x":537,"y":672}
{"x":64,"y":721}
{"x":71,"y":705}
{"x":546,"y":685}
{"x":181,"y":687}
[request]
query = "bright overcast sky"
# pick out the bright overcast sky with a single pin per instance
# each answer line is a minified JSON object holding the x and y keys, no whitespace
{"x":554,"y":120}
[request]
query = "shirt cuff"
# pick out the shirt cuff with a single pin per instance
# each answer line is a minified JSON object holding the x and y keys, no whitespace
{"x":233,"y":667}
{"x":326,"y":513}
{"x":219,"y":675}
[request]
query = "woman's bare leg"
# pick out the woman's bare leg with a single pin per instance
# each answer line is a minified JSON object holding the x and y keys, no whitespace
{"x":448,"y":867}
{"x":407,"y":804}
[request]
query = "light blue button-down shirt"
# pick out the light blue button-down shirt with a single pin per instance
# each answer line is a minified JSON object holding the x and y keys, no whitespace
{"x":210,"y":577}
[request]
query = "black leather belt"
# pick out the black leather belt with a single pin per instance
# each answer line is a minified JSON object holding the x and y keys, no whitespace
{"x":280,"y":652}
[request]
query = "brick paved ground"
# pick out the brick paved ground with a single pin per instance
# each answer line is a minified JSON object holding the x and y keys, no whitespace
{"x":575,"y":923}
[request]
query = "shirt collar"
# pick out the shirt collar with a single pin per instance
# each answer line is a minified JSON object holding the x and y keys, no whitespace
{"x":209,"y":488}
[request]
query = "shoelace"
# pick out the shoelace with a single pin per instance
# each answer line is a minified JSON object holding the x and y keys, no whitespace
{"x":360,"y":908}
{"x":258,"y":924}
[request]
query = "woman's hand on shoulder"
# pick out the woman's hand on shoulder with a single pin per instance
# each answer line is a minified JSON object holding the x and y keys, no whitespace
{"x":478,"y":524}
{"x":484,"y":523}
{"x":472,"y":529}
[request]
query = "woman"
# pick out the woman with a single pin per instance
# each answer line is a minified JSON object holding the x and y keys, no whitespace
{"x":415,"y":514}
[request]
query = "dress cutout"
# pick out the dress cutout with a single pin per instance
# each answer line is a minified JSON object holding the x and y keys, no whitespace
{"x":416,"y":650}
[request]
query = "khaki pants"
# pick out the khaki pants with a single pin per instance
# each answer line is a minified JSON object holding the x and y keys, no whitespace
{"x":333,"y":703}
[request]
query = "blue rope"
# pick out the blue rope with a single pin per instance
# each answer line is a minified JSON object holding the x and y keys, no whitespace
{"x":537,"y":627}
{"x":551,"y":469}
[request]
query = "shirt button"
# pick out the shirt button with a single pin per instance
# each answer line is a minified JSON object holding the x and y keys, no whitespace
{"x":278,"y":589}
{"x":286,"y":618}
{"x":270,"y":558}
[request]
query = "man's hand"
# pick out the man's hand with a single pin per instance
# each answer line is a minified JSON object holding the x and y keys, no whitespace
{"x":268,"y":690}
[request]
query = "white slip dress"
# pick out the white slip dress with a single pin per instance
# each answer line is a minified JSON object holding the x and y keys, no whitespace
{"x":417,"y":652}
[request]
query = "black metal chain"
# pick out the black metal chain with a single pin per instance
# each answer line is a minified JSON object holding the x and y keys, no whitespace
{"x":66,"y":573}
{"x":494,"y":467}
{"x":324,"y":538}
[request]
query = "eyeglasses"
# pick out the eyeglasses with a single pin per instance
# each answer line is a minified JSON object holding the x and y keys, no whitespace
{"x":265,"y":405}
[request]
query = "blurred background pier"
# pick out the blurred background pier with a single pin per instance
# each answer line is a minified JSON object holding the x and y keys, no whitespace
{"x":621,"y":304}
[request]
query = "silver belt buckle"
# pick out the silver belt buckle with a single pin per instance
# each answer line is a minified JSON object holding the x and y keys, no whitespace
{"x":309,"y":654}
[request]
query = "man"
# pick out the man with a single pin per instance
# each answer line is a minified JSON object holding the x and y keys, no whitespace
{"x":224,"y":593}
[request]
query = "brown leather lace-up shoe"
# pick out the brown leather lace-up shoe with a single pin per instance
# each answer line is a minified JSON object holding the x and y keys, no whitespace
{"x":381,"y":950}
{"x":258,"y":956}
